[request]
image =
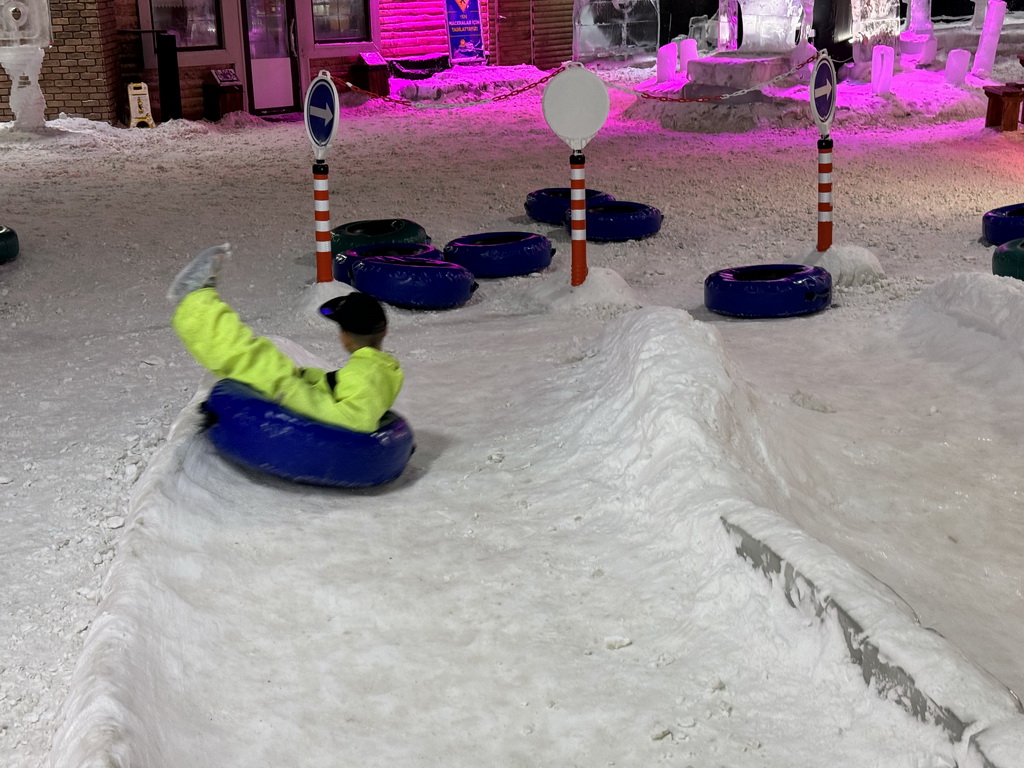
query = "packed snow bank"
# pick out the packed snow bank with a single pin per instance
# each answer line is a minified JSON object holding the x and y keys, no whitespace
{"x":903,"y":661}
{"x":849,"y":265}
{"x":975,"y":323}
{"x":556,"y":588}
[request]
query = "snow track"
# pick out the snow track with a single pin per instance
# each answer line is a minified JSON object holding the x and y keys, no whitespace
{"x":482,"y":610}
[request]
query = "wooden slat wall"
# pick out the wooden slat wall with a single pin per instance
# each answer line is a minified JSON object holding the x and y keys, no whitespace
{"x":513,"y":27}
{"x":419,"y":27}
{"x":552,"y":32}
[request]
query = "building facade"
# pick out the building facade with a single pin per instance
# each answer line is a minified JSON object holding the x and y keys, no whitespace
{"x":263,"y":53}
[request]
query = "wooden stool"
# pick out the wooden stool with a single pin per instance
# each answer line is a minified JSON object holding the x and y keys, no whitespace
{"x":1004,"y":106}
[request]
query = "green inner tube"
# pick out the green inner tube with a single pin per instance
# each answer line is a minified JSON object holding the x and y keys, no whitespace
{"x":1008,"y":259}
{"x":374,"y":231}
{"x":8,"y":244}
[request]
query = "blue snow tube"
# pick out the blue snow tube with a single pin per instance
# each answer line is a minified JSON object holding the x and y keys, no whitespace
{"x":374,"y":231}
{"x":344,"y":260}
{"x":1000,"y":225}
{"x":500,"y":254}
{"x":550,"y":204}
{"x":413,"y":282}
{"x":772,"y":290}
{"x":257,"y":433}
{"x":619,"y":220}
{"x":8,"y":244}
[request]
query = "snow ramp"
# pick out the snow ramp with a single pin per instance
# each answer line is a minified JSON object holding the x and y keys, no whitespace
{"x":549,"y":583}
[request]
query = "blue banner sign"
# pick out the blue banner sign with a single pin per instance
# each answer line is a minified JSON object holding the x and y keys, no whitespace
{"x":465,"y":35}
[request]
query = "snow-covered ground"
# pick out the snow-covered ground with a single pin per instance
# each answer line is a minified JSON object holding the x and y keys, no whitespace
{"x":549,"y":582}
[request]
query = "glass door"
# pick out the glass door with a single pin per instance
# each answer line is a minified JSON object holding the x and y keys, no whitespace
{"x":273,"y":56}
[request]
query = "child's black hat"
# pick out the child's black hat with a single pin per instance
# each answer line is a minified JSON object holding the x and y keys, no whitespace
{"x":357,"y":313}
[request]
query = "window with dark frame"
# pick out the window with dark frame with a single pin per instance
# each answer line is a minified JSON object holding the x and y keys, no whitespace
{"x":196,"y":23}
{"x":340,"y":21}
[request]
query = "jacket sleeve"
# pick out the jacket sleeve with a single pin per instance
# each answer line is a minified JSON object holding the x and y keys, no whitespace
{"x":222,"y":343}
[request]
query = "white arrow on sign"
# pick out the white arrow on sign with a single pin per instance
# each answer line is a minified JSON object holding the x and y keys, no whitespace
{"x":824,"y":90}
{"x":324,"y":114}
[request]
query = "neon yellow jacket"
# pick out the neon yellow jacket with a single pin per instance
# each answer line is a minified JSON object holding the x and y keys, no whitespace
{"x":217,"y":338}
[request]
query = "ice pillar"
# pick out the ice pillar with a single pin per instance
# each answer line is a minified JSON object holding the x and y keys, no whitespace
{"x":921,"y":17}
{"x":668,"y":61}
{"x":986,"y":54}
{"x":882,"y":62}
{"x":958,"y":63}
{"x":687,"y":53}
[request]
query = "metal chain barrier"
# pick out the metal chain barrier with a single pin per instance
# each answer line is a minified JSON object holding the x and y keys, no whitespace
{"x":517,"y":91}
{"x":419,"y":105}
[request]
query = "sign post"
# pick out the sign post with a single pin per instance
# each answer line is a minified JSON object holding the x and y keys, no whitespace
{"x":576,"y":107}
{"x":823,"y":109}
{"x":321,"y":116}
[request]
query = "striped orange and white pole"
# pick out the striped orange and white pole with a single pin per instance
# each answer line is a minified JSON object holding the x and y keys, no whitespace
{"x":824,"y":194}
{"x":322,"y":208}
{"x":578,"y":217}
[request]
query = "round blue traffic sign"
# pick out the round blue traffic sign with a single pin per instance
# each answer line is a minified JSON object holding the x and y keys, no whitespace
{"x":823,"y":93}
{"x":321,"y":113}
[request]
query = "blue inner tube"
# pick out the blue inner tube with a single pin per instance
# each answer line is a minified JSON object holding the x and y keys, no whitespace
{"x":620,"y":220}
{"x":1000,"y":225}
{"x":550,"y":204}
{"x":8,"y":244}
{"x":413,"y":282}
{"x":343,"y":261}
{"x":500,"y":254}
{"x":372,"y":231}
{"x":257,"y":433}
{"x":771,"y":290}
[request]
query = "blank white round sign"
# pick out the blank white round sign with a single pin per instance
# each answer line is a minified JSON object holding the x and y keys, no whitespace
{"x":575,"y":105}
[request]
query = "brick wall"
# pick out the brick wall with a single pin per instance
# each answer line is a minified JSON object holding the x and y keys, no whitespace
{"x":80,"y":75}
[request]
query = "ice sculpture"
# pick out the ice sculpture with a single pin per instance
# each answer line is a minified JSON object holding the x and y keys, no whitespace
{"x":24,"y":33}
{"x":918,"y":40}
{"x":769,"y":26}
{"x":778,"y":26}
{"x":876,"y":22}
{"x":704,"y":32}
{"x":614,"y":28}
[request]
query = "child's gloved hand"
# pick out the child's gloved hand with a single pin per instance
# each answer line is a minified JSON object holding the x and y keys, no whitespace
{"x":201,"y":272}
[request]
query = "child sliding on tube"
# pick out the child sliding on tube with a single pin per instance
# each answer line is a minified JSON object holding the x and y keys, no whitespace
{"x":355,"y":396}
